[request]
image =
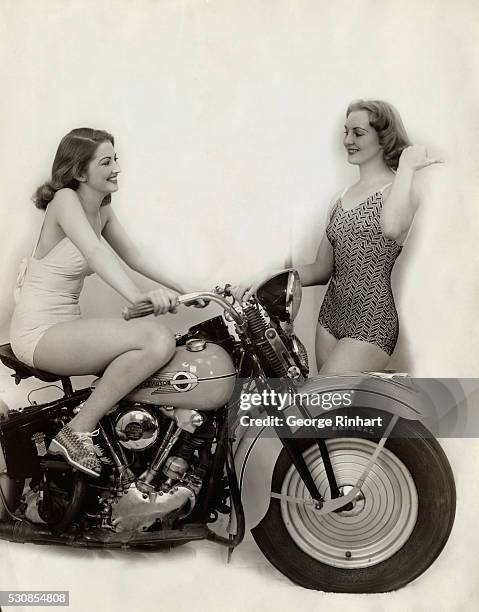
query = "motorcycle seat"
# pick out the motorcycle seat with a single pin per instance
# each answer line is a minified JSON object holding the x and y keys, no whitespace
{"x":22,"y":370}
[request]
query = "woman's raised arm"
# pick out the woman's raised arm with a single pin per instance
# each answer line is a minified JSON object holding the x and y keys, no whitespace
{"x":402,"y":202}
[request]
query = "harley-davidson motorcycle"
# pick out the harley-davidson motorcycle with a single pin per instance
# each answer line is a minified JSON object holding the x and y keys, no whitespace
{"x":342,"y":509}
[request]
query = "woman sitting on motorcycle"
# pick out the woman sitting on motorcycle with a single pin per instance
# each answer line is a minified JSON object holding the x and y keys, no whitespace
{"x":47,"y":330}
{"x":367,"y":225}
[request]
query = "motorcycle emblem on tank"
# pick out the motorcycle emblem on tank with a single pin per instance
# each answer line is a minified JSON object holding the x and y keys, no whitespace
{"x":169,"y":382}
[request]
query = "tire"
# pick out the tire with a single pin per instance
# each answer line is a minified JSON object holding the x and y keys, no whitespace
{"x":388,"y":539}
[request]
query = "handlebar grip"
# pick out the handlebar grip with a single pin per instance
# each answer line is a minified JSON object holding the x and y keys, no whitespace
{"x":134,"y":312}
{"x":145,"y":309}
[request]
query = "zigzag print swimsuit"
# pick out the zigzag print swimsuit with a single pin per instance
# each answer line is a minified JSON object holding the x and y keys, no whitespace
{"x":359,"y":302}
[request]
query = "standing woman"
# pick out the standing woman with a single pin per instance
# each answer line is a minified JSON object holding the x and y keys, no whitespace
{"x":368,"y":223}
{"x":47,"y":330}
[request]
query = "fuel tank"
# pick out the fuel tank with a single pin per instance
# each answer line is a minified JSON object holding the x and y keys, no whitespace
{"x":201,"y":376}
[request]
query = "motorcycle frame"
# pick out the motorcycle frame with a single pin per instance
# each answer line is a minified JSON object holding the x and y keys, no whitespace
{"x":248,"y":457}
{"x":254,"y":456}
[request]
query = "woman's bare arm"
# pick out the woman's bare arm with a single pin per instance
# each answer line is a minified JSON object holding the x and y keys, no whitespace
{"x":402,"y":202}
{"x":316,"y":273}
{"x":118,"y":239}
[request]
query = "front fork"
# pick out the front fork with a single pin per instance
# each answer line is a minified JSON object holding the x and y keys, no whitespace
{"x":298,"y":461}
{"x":337,"y":502}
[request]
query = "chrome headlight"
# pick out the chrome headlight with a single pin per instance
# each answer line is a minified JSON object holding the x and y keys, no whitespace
{"x":280,"y":296}
{"x":293,"y":294}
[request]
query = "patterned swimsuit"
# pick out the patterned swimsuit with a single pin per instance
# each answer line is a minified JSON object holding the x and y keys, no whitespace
{"x":359,"y":302}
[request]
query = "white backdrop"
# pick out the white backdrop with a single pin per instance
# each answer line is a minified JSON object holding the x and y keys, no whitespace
{"x":228,"y":123}
{"x":228,"y":120}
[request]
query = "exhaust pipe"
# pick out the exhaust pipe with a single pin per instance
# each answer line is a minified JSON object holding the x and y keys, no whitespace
{"x":22,"y":531}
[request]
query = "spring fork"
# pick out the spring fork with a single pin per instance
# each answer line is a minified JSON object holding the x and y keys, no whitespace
{"x":323,"y":449}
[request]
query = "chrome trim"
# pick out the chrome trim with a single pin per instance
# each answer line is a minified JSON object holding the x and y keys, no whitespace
{"x":140,"y":310}
{"x":195,"y":345}
{"x":293,"y":278}
{"x":146,"y":423}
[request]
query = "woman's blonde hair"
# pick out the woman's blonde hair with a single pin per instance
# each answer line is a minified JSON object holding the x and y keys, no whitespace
{"x":385,"y":119}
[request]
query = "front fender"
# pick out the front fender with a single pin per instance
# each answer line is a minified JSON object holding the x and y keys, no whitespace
{"x":257,"y":448}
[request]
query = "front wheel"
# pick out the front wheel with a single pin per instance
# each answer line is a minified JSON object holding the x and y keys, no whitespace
{"x":398,"y":524}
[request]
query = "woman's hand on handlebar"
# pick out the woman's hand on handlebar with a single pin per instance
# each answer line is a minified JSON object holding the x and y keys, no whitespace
{"x":163,"y":300}
{"x":248,"y":287}
{"x":197,"y":303}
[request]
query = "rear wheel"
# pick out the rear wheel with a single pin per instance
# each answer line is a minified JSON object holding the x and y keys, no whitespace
{"x":397,"y":526}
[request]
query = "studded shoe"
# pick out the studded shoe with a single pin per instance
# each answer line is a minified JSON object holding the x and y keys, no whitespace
{"x":78,"y":450}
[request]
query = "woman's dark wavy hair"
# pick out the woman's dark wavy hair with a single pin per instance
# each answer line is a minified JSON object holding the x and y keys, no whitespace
{"x":385,"y":119}
{"x":74,"y":153}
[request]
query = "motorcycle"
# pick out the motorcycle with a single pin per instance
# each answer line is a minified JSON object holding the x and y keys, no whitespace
{"x":334,"y":508}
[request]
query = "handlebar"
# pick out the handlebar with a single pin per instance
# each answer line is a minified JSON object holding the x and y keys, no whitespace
{"x":142,"y":310}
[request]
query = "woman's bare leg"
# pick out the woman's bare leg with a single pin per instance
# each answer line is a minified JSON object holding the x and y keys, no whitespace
{"x":325,"y":344}
{"x":353,"y":356}
{"x":126,"y":352}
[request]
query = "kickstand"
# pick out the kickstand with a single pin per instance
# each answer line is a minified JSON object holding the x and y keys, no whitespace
{"x":230,"y":549}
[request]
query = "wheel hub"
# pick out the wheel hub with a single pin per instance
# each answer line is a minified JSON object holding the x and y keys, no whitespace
{"x":356,"y":505}
{"x":373,"y":527}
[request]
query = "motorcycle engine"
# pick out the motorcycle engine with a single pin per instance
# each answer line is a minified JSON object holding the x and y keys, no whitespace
{"x":153,"y":463}
{"x":163,"y":452}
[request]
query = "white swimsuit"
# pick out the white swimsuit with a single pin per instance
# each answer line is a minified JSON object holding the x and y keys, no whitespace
{"x":49,"y":295}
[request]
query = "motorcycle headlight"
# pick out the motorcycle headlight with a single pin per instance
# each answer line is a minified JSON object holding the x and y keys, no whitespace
{"x":281,"y":295}
{"x":293,"y":294}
